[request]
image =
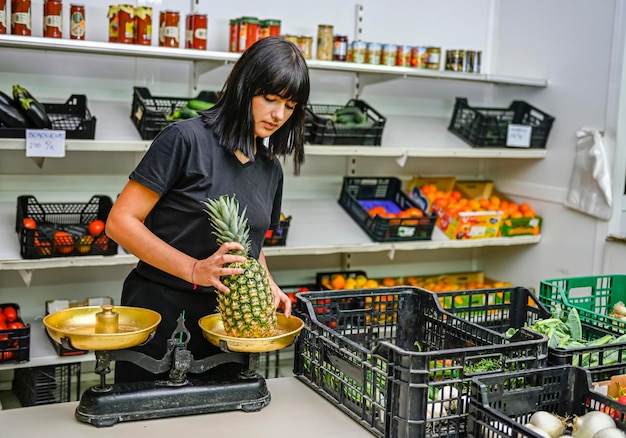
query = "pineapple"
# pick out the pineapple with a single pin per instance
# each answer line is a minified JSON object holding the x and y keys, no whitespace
{"x":248,"y":310}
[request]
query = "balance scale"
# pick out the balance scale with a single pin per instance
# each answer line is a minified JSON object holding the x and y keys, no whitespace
{"x":110,"y":332}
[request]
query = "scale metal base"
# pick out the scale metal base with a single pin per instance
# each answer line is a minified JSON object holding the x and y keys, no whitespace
{"x":106,"y":406}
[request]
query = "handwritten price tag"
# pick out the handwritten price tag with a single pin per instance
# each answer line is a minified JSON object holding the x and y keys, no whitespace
{"x":45,"y":143}
{"x":518,"y":136}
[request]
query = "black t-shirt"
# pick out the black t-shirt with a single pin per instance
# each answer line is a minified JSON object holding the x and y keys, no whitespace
{"x":185,"y":165}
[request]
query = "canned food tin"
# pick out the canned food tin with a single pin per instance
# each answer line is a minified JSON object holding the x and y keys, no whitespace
{"x":359,"y":49}
{"x":125,"y":24}
{"x":196,"y":30}
{"x":373,"y":53}
{"x":340,"y":48}
{"x":77,"y":22}
{"x":20,"y":17}
{"x":113,"y":23}
{"x":455,"y":60}
{"x":305,"y":43}
{"x":471,"y":61}
{"x":403,"y":56}
{"x":419,"y":57}
{"x":388,"y":54}
{"x":3,"y":16}
{"x":169,"y":35}
{"x":324,"y":42}
{"x":433,"y":61}
{"x":142,"y":33}
{"x":53,"y":19}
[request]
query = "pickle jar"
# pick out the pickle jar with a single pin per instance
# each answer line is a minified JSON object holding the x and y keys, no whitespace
{"x":21,"y":17}
{"x":3,"y":17}
{"x":142,"y":33}
{"x":125,"y":24}
{"x":325,"y":42}
{"x":77,"y":22}
{"x":196,"y":30}
{"x":53,"y":19}
{"x":169,"y":29}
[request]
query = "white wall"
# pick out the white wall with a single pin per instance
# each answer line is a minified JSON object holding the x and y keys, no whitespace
{"x":569,"y":42}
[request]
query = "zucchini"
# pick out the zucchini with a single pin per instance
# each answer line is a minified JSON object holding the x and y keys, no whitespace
{"x":350,"y":115}
{"x":34,"y":111}
{"x":199,"y":105}
{"x":11,"y":117}
{"x":188,"y":113}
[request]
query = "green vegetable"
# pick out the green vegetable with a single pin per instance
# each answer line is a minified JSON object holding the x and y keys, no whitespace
{"x":199,"y":105}
{"x":350,"y":115}
{"x":188,"y":113}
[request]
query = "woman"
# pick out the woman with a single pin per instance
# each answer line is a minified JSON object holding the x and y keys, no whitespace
{"x":233,"y":148}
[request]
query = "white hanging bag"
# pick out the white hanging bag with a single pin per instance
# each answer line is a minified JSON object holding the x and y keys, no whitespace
{"x":590,"y":184}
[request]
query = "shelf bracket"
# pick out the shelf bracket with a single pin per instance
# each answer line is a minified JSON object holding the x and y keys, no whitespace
{"x":391,"y":254}
{"x":365,"y":79}
{"x":27,"y":276}
{"x":401,"y":160}
{"x":201,"y":67}
{"x":38,"y":161}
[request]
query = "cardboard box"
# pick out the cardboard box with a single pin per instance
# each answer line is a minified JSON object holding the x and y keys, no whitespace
{"x":611,"y":387}
{"x":62,"y":304}
{"x":443,"y":183}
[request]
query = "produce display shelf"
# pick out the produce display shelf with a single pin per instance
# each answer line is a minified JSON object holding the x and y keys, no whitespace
{"x":116,"y":133}
{"x":320,"y":227}
{"x":105,"y":48}
{"x":42,"y":352}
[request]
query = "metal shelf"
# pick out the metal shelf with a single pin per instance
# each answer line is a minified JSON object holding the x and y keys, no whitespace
{"x":320,"y":227}
{"x":212,"y":59}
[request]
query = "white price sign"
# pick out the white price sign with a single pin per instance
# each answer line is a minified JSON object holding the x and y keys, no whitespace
{"x":45,"y":143}
{"x":518,"y":136}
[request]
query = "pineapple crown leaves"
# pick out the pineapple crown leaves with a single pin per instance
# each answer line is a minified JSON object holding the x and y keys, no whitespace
{"x":228,"y":224}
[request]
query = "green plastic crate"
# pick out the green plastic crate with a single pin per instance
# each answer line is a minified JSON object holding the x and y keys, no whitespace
{"x":593,"y":297}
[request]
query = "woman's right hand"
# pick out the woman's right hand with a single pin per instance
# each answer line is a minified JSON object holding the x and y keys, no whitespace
{"x":207,"y":272}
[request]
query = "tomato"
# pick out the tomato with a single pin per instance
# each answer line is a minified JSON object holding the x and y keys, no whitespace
{"x":3,"y":326}
{"x":63,"y":242}
{"x":292,"y":297}
{"x":10,"y":314}
{"x":84,"y":244}
{"x":3,"y":319}
{"x":6,"y":355}
{"x":44,"y":248}
{"x":29,"y":223}
{"x":102,"y":244}
{"x":96,"y":227}
{"x":622,"y":399}
{"x":15,"y":325}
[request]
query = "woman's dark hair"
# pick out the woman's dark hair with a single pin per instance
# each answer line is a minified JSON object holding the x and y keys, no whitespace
{"x":275,"y":66}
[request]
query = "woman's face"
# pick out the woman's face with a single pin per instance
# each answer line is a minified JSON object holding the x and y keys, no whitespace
{"x":270,"y":111}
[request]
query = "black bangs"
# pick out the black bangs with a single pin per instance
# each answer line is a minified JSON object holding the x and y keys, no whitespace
{"x":288,"y":83}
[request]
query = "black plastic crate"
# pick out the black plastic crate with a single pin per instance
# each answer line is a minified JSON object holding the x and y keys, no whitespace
{"x":73,"y":117}
{"x":359,"y":192}
{"x":150,"y":114}
{"x":488,"y":127}
{"x":278,"y":237}
{"x":500,"y":404}
{"x":14,"y":343}
{"x":47,"y":385}
{"x":321,"y":128}
{"x":504,"y":308}
{"x":498,"y":308}
{"x":72,"y":218}
{"x":392,"y":347}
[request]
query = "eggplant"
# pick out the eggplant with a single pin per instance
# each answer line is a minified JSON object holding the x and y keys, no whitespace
{"x":5,"y":98}
{"x":11,"y":117}
{"x":34,"y":111}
